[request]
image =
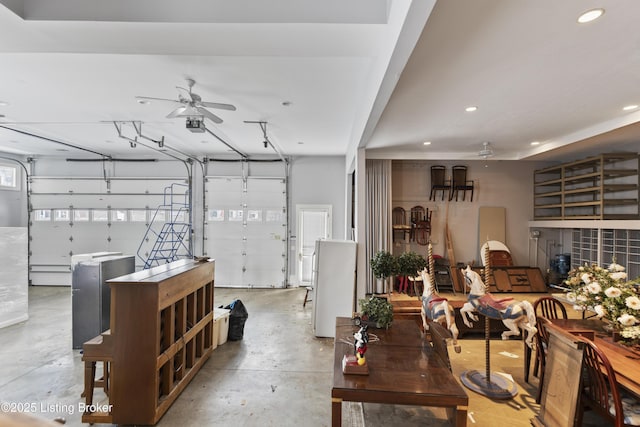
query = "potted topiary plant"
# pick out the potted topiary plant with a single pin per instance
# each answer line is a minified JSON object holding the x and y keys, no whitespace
{"x":377,"y":310}
{"x":384,"y":265}
{"x":409,"y":264}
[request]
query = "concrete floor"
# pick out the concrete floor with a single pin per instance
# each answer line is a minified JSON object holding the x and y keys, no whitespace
{"x":278,"y":375}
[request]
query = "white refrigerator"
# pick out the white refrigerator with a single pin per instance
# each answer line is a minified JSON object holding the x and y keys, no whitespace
{"x":334,"y":284}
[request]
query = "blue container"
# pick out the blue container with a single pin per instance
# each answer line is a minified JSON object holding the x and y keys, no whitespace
{"x":561,"y":264}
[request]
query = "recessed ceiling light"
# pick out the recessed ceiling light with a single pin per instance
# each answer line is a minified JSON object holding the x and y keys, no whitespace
{"x":590,"y":15}
{"x":3,"y":103}
{"x":300,"y":143}
{"x":426,"y":143}
{"x":535,"y":143}
{"x":286,"y":103}
{"x":630,"y":107}
{"x":471,"y":109}
{"x":143,"y":102}
{"x":204,"y":141}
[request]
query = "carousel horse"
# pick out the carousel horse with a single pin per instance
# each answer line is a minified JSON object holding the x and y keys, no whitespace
{"x":437,"y":309}
{"x":514,"y":314}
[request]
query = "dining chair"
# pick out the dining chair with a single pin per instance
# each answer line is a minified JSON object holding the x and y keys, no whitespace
{"x":600,"y":392}
{"x":416,"y":215}
{"x":459,"y":182}
{"x":422,"y":229}
{"x":439,"y":339}
{"x":439,"y":181}
{"x":306,"y":296}
{"x":542,"y":346}
{"x":549,"y":308}
{"x":399,"y":223}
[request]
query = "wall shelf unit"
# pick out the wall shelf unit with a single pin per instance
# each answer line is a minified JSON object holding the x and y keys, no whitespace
{"x":603,"y":187}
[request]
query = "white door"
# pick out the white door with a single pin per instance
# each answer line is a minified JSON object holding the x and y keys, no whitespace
{"x":314,"y":222}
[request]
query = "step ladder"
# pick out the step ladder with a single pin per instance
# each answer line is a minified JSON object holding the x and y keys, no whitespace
{"x":169,"y":229}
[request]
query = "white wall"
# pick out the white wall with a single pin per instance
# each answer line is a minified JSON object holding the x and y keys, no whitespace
{"x":316,"y":181}
{"x":12,"y":208}
{"x":319,"y":181}
{"x":13,"y":203}
{"x":13,"y":280}
{"x":507,"y":184}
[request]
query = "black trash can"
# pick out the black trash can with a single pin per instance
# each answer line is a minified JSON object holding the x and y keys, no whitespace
{"x":237,"y":317}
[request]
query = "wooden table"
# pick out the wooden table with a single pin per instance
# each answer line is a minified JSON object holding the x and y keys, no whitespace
{"x":625,"y":362}
{"x":403,"y":370}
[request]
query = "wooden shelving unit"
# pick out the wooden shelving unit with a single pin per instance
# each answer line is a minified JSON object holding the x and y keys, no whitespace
{"x":599,"y":187}
{"x":161,"y":335}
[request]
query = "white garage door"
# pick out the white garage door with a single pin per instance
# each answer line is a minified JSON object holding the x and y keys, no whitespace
{"x":71,"y":216}
{"x":246,"y":231}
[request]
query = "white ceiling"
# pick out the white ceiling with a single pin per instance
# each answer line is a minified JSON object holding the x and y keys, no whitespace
{"x":69,"y":69}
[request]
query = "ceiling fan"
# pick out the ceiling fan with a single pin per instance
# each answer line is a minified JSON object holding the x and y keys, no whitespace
{"x":192,"y":104}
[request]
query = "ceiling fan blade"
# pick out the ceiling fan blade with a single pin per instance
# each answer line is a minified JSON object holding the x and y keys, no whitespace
{"x":178,"y":112}
{"x":218,"y":105}
{"x":208,"y":114}
{"x":156,"y":99}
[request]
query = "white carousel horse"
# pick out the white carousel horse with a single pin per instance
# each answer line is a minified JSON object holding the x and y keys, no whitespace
{"x":437,"y":309}
{"x":514,"y":315}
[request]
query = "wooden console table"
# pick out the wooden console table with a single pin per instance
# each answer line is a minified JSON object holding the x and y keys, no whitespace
{"x":161,"y":335}
{"x":402,"y":371}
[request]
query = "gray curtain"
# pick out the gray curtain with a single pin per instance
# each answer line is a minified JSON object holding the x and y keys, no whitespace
{"x":378,"y":216}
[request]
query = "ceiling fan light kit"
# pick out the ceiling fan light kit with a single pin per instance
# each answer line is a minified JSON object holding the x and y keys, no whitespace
{"x":486,"y":151}
{"x":195,"y":124}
